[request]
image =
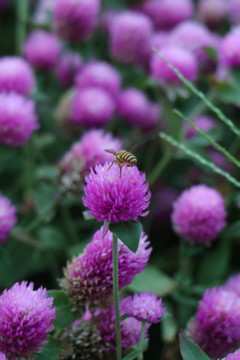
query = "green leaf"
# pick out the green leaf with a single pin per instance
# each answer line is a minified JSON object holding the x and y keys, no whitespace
{"x":191,"y":351}
{"x":52,"y":238}
{"x":128,"y":232}
{"x":132,"y":355}
{"x":124,"y":316}
{"x":5,"y":266}
{"x":52,"y":350}
{"x":86,"y":216}
{"x":232,"y":231}
{"x":211,"y":52}
{"x":169,"y":328}
{"x":228,"y":93}
{"x":45,"y":200}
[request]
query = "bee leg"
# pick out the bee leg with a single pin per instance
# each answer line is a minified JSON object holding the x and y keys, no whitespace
{"x":114,"y":162}
{"x":121,"y":166}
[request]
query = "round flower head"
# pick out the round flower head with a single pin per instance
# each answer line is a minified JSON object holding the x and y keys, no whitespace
{"x":75,"y":20}
{"x":146,"y":307}
{"x":229,"y":51}
{"x":92,"y":107}
{"x":216,"y":326}
{"x":16,"y":75}
{"x":233,"y":356}
{"x":180,"y":58}
{"x":159,"y":40}
{"x":99,"y":74}
{"x":42,"y":49}
{"x":8,"y":218}
{"x":234,"y":10}
{"x":204,"y":123}
{"x":233,"y":284}
{"x":26,"y":317}
{"x":17,"y":119}
{"x":88,"y":279}
{"x":130,"y":36}
{"x":213,"y":12}
{"x":199,"y":214}
{"x":115,"y":198}
{"x":44,"y":11}
{"x":67,"y":67}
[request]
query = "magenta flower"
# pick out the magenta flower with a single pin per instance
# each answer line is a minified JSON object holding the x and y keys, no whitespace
{"x":203,"y":122}
{"x":233,"y":356}
{"x":232,"y":284}
{"x":199,"y":214}
{"x":8,"y":218}
{"x":42,"y":49}
{"x":234,"y":10}
{"x":213,"y":12}
{"x":16,"y":75}
{"x":2,"y":356}
{"x":26,"y":317}
{"x":159,"y":40}
{"x":229,"y":51}
{"x":67,"y":67}
{"x":17,"y":119}
{"x":75,"y":20}
{"x":113,"y":198}
{"x":88,"y":279}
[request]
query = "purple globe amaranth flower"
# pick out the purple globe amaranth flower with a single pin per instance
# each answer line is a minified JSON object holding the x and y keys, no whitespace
{"x":216,"y":325}
{"x":75,"y":20}
{"x":42,"y":49}
{"x":199,"y":214}
{"x":178,"y":57}
{"x":8,"y":218}
{"x":213,"y":12}
{"x":17,"y":119}
{"x":16,"y":75}
{"x":92,"y":107}
{"x":130,"y":36}
{"x":67,"y":67}
{"x":203,"y":122}
{"x":159,"y":40}
{"x":26,"y":317}
{"x":234,"y":11}
{"x":100,"y":74}
{"x":229,"y":51}
{"x":115,"y":198}
{"x":233,"y":356}
{"x":146,"y":307}
{"x":88,"y":279}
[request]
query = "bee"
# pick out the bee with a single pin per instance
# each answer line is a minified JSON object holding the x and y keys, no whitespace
{"x":122,"y":158}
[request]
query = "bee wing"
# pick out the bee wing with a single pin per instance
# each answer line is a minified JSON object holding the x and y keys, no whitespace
{"x":111,"y":151}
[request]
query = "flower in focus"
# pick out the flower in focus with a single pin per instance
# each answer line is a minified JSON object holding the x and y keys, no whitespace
{"x":233,"y":356}
{"x":8,"y":217}
{"x":16,"y":75}
{"x":17,"y":119}
{"x":26,"y":317}
{"x":42,"y":49}
{"x":75,"y":20}
{"x":213,"y":12}
{"x":203,"y":122}
{"x":229,"y":51}
{"x":199,"y":214}
{"x":88,"y":278}
{"x":113,"y":198}
{"x":67,"y":67}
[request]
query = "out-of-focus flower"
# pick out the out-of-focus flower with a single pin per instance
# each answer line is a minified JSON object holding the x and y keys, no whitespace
{"x":75,"y":20}
{"x":130,"y":36}
{"x":67,"y":67}
{"x":159,"y":40}
{"x":199,"y":214}
{"x":26,"y":317}
{"x":234,"y":10}
{"x":17,"y":119}
{"x":233,"y":284}
{"x":108,"y":17}
{"x":113,"y":198}
{"x":2,"y":356}
{"x":203,"y":122}
{"x":8,"y":218}
{"x":42,"y":49}
{"x":44,"y":11}
{"x":233,"y":356}
{"x":88,"y":279}
{"x":213,"y":12}
{"x":92,"y":107}
{"x":16,"y":75}
{"x":229,"y":51}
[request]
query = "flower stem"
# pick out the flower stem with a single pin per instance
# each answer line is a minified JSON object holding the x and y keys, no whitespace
{"x":22,"y":14}
{"x":116,"y":298}
{"x":142,"y":337}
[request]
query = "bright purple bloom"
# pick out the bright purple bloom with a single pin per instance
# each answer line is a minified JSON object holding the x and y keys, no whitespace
{"x":233,"y":284}
{"x":159,"y":40}
{"x":67,"y":67}
{"x":17,"y":119}
{"x":180,"y":58}
{"x":216,"y":325}
{"x":26,"y":317}
{"x":130,"y":37}
{"x":146,"y":307}
{"x":213,"y":12}
{"x":42,"y":49}
{"x":199,"y":214}
{"x":100,"y":74}
{"x":92,"y":107}
{"x":16,"y":75}
{"x":88,"y":279}
{"x":203,"y":122}
{"x":8,"y":218}
{"x":234,"y":9}
{"x":229,"y":51}
{"x":75,"y":20}
{"x":233,"y":356}
{"x":113,"y":198}
{"x":2,"y":356}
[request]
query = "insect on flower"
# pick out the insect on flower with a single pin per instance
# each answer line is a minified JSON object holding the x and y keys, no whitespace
{"x":122,"y":158}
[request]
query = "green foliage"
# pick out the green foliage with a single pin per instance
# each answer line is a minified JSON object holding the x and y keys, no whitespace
{"x":128,"y":232}
{"x":191,"y":351}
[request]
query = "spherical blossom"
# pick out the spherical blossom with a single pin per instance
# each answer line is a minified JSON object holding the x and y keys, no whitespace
{"x":199,"y":214}
{"x":26,"y":317}
{"x":233,"y":356}
{"x":180,"y":58}
{"x":229,"y":51}
{"x":92,"y":107}
{"x":115,"y":198}
{"x":146,"y":307}
{"x":16,"y":75}
{"x":159,"y":40}
{"x":101,"y":75}
{"x":44,"y":11}
{"x":17,"y":119}
{"x":2,"y":356}
{"x":42,"y":49}
{"x":67,"y":67}
{"x":130,"y":37}
{"x":7,"y":217}
{"x":233,"y":284}
{"x":75,"y":20}
{"x":216,"y":325}
{"x":213,"y":12}
{"x":203,"y":122}
{"x":152,"y":118}
{"x":88,"y":279}
{"x":234,"y":10}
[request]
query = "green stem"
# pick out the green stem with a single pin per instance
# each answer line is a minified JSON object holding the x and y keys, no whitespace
{"x":116,"y":298}
{"x":142,"y":337}
{"x":160,"y":166}
{"x":22,"y":14}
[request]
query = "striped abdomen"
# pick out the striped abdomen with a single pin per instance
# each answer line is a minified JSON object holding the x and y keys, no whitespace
{"x":126,"y":157}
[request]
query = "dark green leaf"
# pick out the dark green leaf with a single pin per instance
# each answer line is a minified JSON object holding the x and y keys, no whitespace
{"x":191,"y":351}
{"x":228,"y":93}
{"x":232,"y":231}
{"x":211,"y":52}
{"x":45,"y":200}
{"x":132,"y":355}
{"x":128,"y":232}
{"x":124,"y":316}
{"x":52,"y":238}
